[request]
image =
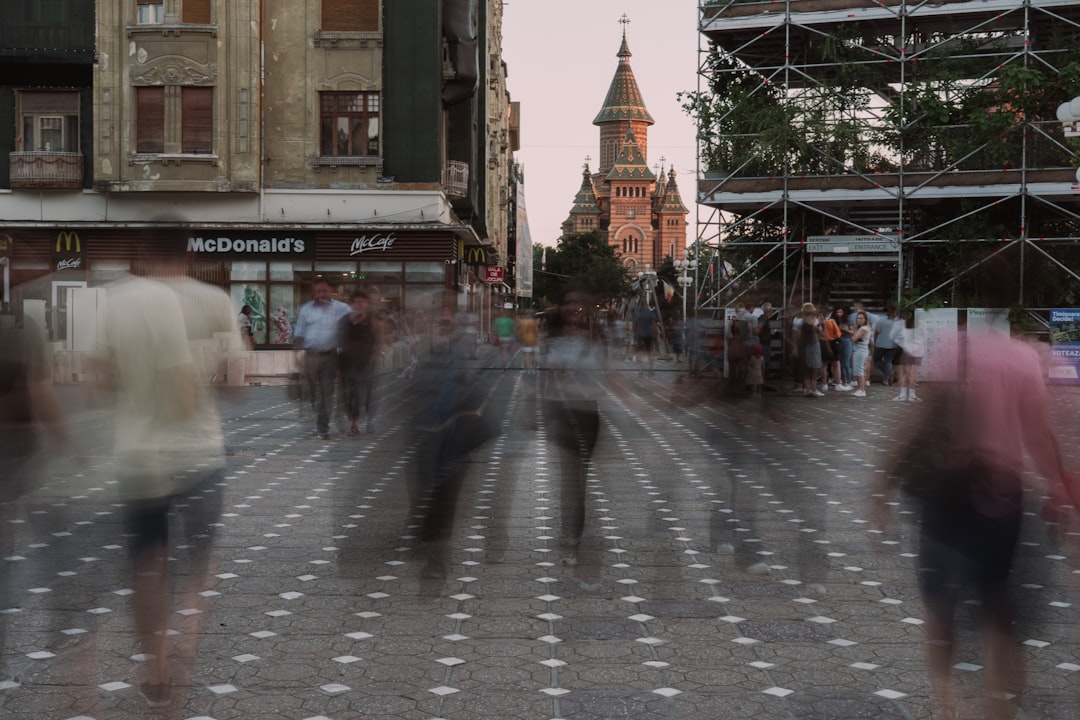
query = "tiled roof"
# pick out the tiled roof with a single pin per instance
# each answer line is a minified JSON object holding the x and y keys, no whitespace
{"x":623,"y":101}
{"x":672,"y":199}
{"x":630,"y":164}
{"x":585,"y":200}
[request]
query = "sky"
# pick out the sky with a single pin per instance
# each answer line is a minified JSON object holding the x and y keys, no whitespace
{"x":561,"y":56}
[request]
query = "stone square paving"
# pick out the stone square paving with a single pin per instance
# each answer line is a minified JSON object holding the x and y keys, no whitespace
{"x":727,"y":571}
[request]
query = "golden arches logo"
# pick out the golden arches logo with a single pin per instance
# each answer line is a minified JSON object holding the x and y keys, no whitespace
{"x":68,"y":239}
{"x":476,"y":255}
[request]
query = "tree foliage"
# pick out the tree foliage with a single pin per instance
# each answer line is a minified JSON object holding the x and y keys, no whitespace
{"x":582,"y":258}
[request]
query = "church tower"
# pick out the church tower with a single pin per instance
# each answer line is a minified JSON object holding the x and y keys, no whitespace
{"x":641,"y":216}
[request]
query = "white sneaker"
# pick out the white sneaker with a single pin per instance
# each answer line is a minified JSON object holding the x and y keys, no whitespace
{"x":818,"y":393}
{"x":823,"y":389}
{"x":843,"y":387}
{"x":859,"y":393}
{"x":902,"y":398}
{"x":912,"y":398}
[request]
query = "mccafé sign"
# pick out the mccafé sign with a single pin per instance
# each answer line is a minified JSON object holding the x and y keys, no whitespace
{"x":290,"y":245}
{"x":367,"y":243}
{"x":68,"y":252}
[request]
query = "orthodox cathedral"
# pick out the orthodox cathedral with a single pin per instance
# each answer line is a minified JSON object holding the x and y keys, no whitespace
{"x":641,"y":215}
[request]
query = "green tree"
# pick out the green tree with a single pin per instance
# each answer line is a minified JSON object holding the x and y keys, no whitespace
{"x":585,"y":258}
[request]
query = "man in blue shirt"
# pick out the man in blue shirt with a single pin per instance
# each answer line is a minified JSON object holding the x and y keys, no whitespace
{"x":316,"y":333}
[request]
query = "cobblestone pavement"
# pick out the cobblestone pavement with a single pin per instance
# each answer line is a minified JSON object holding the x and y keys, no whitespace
{"x":726,"y":572}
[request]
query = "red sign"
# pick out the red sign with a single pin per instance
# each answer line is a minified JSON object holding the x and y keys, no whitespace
{"x":493,"y":274}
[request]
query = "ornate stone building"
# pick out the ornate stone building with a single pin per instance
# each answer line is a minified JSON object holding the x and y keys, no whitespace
{"x":642,"y":215}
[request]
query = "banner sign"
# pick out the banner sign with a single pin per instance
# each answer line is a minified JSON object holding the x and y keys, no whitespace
{"x":493,"y":274}
{"x":853,"y":244}
{"x":940,"y":327}
{"x":282,"y":244}
{"x":995,"y":319}
{"x":1064,"y":346}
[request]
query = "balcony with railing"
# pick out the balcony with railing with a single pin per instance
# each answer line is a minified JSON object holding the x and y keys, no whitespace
{"x":45,"y":169}
{"x":456,"y":179}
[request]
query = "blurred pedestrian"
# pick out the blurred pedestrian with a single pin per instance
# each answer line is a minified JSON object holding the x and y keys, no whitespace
{"x":755,"y":371}
{"x":645,"y":328}
{"x":886,"y":334}
{"x":843,"y":321}
{"x":503,"y":330}
{"x":360,"y":341}
{"x":316,"y":333}
{"x":574,"y":360}
{"x":860,"y":352}
{"x":156,"y":339}
{"x":912,"y":344}
{"x":528,"y":331}
{"x":28,"y":405}
{"x":971,"y":446}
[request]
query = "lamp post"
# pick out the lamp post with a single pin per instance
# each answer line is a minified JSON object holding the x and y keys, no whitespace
{"x":684,"y":267}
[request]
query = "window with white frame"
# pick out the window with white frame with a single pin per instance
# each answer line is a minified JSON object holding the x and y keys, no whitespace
{"x":150,"y":12}
{"x":48,"y":121}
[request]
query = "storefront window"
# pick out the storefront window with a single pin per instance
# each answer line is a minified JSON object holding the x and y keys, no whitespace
{"x":288,"y":270}
{"x":381,"y":272}
{"x":253,"y":295}
{"x":107,"y":271}
{"x":425,"y":271}
{"x":285,"y":301}
{"x":248,"y":271}
{"x":426,"y":298}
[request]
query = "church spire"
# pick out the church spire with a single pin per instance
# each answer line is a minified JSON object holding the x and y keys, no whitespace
{"x":623,"y":101}
{"x":585,"y":200}
{"x":630,"y":164}
{"x":672,"y":199}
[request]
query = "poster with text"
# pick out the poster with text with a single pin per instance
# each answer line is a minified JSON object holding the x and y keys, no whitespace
{"x":940,"y":328}
{"x":1064,"y":346}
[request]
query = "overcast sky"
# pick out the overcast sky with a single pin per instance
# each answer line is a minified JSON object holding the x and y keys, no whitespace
{"x":561,"y":56}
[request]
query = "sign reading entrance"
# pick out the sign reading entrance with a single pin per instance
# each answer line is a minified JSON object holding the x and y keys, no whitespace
{"x":842,"y":244}
{"x":493,"y":274}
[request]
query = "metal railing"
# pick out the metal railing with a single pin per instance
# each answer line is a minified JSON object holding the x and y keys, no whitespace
{"x":456,"y":178}
{"x":46,"y":169}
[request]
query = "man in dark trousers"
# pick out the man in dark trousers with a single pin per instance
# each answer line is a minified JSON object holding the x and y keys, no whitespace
{"x":316,"y":333}
{"x":360,"y":340}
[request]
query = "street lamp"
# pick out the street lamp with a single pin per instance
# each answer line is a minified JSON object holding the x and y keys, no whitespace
{"x":684,"y":266}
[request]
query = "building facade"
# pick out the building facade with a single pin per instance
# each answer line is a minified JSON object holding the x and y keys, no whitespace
{"x":345,"y":139}
{"x":640,"y":214}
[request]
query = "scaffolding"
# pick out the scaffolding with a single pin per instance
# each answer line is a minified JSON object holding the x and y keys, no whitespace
{"x":920,"y":132}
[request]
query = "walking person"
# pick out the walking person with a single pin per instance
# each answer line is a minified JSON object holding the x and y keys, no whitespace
{"x":860,"y":353}
{"x":645,"y":322}
{"x":360,"y":343}
{"x":972,"y":506}
{"x":503,"y":329}
{"x":316,"y":333}
{"x":170,"y":448}
{"x":528,"y":331}
{"x":765,"y":334}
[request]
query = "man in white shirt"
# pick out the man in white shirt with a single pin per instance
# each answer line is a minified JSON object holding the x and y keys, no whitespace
{"x":316,"y":333}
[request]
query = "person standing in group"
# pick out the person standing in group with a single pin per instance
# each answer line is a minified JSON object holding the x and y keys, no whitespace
{"x":360,"y":341}
{"x":841,"y":318}
{"x":503,"y":329}
{"x":860,"y":352}
{"x":755,"y":371}
{"x":807,"y":343}
{"x":912,"y":344}
{"x":830,"y":352}
{"x":316,"y":333}
{"x":247,"y":329}
{"x":885,"y":347}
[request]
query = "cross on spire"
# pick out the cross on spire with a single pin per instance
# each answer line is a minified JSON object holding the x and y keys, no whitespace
{"x":586,"y":165}
{"x":624,"y":21}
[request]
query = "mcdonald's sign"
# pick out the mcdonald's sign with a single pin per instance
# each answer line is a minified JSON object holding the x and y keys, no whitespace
{"x":68,"y":252}
{"x":476,"y":255}
{"x":67,"y":241}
